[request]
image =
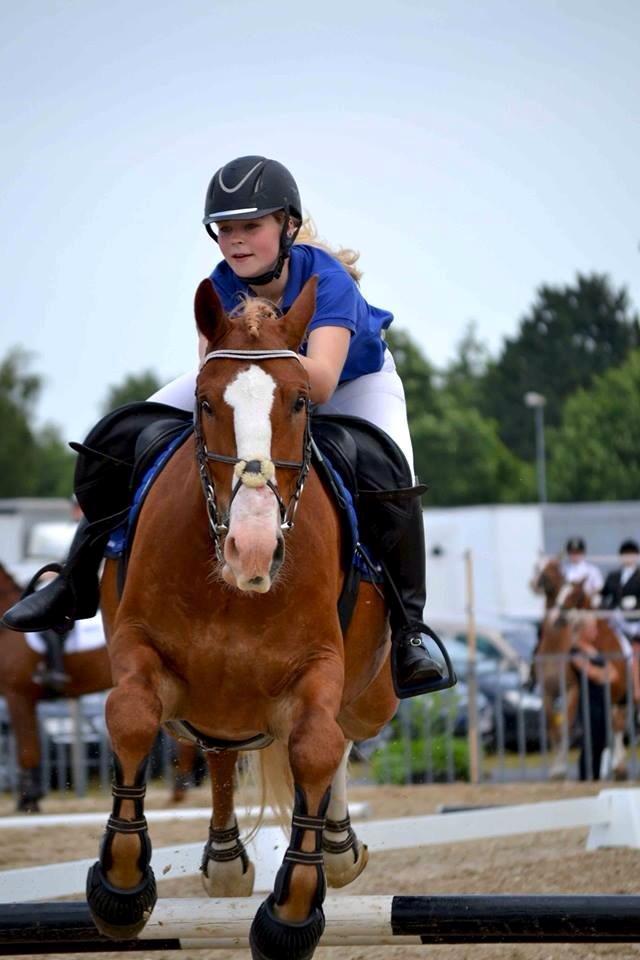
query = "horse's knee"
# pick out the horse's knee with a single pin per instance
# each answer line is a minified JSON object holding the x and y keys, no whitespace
{"x":316,"y":746}
{"x":133,"y":714}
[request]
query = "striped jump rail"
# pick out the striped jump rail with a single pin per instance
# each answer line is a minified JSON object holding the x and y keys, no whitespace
{"x":184,"y":924}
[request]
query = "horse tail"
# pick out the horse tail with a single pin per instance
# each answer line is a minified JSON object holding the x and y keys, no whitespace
{"x":270,"y":768}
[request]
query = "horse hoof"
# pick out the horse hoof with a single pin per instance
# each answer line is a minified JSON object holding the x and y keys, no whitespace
{"x":28,"y":805}
{"x":225,"y":881}
{"x":621,"y":774}
{"x":120,"y":914}
{"x":341,"y":869}
{"x":558,"y":773}
{"x":272,"y":939}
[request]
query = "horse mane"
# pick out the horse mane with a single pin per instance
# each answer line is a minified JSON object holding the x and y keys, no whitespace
{"x":250,"y":315}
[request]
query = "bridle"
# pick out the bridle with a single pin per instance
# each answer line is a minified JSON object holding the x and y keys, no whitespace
{"x":251,"y":473}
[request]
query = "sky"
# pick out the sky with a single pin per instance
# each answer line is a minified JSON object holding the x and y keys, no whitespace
{"x":470,"y":151}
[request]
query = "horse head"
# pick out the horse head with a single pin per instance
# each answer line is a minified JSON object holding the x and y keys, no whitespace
{"x":251,"y":428}
{"x":574,"y":596}
{"x":549,"y":581}
{"x":9,"y":589}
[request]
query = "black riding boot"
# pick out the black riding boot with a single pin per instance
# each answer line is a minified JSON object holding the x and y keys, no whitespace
{"x":402,"y":544}
{"x":73,"y":595}
{"x":50,"y":672}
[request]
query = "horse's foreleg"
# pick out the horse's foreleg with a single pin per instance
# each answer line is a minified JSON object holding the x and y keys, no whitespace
{"x":619,"y":758}
{"x":556,"y":729}
{"x":24,"y":723}
{"x":345,"y":857}
{"x":291,"y":921}
{"x":121,"y":889}
{"x":226,"y":868}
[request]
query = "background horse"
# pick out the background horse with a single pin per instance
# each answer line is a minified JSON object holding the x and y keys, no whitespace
{"x":89,"y":672}
{"x":223,"y":628}
{"x":558,"y":681}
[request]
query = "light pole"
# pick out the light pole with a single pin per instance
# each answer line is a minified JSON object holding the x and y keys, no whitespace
{"x":536,"y":402}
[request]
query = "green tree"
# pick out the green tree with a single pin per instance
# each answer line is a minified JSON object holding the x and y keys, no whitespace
{"x":135,"y":386}
{"x":32,"y":462}
{"x":570,"y":335}
{"x":460,"y":455}
{"x":595,"y":453}
{"x":56,"y":462}
{"x":19,"y":390}
{"x":457,"y":451}
{"x":463,"y":378}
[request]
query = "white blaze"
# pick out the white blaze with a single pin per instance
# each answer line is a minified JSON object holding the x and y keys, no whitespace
{"x":251,"y":397}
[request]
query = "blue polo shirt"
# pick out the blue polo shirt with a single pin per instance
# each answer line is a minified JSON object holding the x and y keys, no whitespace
{"x":339,"y":303}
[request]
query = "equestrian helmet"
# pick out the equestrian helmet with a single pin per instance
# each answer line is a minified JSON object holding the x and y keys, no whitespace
{"x":250,"y":187}
{"x":629,"y":546}
{"x":576,"y":545}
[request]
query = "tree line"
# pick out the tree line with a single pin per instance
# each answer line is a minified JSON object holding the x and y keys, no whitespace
{"x":474,"y":440}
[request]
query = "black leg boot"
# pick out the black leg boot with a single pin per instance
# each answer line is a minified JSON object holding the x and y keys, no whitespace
{"x":401,"y":536}
{"x":50,"y":673}
{"x":73,"y":595}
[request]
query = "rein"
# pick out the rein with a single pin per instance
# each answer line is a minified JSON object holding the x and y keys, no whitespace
{"x":252,"y":473}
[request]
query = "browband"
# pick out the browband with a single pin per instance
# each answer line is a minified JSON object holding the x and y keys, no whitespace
{"x":249,"y":355}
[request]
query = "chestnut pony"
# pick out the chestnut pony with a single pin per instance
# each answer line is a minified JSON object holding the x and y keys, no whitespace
{"x":228,"y":623}
{"x":89,"y":672}
{"x":566,"y":614}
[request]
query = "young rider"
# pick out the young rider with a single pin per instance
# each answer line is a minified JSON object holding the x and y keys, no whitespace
{"x":255,"y":206}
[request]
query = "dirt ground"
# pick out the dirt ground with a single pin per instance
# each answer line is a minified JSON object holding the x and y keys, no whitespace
{"x":554,"y":862}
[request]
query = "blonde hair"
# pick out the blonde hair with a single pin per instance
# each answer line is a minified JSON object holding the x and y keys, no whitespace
{"x":308,"y":233}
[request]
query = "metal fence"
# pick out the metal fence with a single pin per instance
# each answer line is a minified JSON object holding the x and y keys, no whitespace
{"x":430,"y":739}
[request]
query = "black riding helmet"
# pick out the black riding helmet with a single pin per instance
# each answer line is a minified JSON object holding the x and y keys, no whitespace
{"x":252,"y":187}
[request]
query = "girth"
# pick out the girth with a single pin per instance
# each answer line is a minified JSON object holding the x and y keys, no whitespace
{"x":184,"y":730}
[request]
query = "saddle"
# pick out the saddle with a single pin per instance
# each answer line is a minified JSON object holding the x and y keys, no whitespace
{"x":363,"y":469}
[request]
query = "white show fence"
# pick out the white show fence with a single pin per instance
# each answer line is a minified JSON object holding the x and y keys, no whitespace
{"x":613,"y":819}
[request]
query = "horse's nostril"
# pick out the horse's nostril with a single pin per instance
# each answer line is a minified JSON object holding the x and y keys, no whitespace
{"x":278,"y":554}
{"x":256,"y":581}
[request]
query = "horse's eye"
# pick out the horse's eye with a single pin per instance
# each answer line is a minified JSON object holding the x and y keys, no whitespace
{"x":205,"y":406}
{"x":300,"y":404}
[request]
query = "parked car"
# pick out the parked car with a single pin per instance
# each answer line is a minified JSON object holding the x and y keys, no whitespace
{"x":517,"y":710}
{"x":504,"y":639}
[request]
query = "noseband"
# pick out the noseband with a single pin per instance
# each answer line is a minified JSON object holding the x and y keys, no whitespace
{"x":250,"y":473}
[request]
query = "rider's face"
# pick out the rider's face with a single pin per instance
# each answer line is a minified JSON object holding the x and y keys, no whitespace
{"x":629,"y":559}
{"x":250,"y":247}
{"x":575,"y":556}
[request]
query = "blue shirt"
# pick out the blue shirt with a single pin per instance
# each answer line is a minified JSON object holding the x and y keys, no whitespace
{"x":339,"y":303}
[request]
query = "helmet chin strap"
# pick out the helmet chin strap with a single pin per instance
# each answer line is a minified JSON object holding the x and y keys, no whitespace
{"x":263,"y":278}
{"x":286,"y":242}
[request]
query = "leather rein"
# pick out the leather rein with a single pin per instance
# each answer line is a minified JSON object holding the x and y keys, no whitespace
{"x":251,"y":473}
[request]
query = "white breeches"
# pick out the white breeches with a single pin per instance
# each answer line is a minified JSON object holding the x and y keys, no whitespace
{"x":376,"y":397}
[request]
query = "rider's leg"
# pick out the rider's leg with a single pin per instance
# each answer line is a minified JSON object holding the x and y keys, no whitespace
{"x":73,"y":595}
{"x":379,"y":398}
{"x":180,"y":393}
{"x":51,"y":673}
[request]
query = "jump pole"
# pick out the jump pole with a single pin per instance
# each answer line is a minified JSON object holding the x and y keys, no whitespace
{"x":179,"y":924}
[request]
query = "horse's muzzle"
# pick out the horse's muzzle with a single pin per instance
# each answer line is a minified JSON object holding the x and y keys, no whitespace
{"x":253,"y":548}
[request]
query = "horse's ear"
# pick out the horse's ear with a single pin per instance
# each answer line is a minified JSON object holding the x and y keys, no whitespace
{"x":211,"y":319}
{"x":299,"y":315}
